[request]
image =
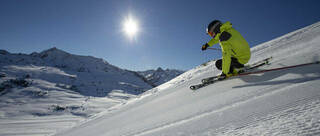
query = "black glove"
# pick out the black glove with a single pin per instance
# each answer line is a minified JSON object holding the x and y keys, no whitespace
{"x":205,"y":46}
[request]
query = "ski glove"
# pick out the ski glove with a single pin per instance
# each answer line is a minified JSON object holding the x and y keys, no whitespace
{"x":205,"y":46}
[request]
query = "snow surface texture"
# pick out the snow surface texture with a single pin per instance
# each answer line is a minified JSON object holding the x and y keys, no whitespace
{"x":45,"y":92}
{"x":285,"y":102}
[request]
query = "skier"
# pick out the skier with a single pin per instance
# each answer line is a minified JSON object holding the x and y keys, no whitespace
{"x":235,"y":49}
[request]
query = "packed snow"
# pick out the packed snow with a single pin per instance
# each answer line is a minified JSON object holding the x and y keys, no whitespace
{"x":284,"y":102}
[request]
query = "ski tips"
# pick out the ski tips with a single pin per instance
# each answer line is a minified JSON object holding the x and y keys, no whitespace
{"x":192,"y":88}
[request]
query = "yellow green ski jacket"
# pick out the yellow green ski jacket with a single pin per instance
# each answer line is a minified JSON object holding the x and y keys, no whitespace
{"x":232,"y":45}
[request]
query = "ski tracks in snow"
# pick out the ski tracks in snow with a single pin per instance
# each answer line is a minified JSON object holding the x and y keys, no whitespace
{"x":295,"y":120}
{"x":287,"y":117}
{"x":39,"y":126}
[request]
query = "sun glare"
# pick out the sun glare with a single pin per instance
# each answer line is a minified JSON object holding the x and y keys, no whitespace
{"x":130,"y":27}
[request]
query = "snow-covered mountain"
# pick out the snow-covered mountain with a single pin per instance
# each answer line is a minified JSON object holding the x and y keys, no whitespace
{"x":284,"y":102}
{"x":55,"y":83}
{"x":160,"y":76}
{"x":91,"y":76}
{"x":86,"y":71}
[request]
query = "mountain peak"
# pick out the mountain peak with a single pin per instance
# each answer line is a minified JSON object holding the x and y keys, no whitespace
{"x":159,"y":69}
{"x":54,"y":50}
{"x":4,"y":52}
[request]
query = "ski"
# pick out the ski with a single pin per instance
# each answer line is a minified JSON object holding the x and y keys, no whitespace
{"x":215,"y":79}
{"x":245,"y":69}
{"x":257,"y":64}
{"x":211,"y":80}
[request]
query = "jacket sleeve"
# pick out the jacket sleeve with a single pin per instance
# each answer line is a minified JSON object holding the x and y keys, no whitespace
{"x":226,"y":56}
{"x":213,"y":41}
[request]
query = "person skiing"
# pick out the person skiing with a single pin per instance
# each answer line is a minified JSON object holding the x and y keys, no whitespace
{"x":235,"y":49}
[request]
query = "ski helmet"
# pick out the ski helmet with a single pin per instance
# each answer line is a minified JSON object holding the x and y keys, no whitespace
{"x":214,"y":26}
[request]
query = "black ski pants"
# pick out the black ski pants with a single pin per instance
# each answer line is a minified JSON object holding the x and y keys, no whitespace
{"x":234,"y":64}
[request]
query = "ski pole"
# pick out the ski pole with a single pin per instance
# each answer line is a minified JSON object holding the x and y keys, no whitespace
{"x":281,"y":68}
{"x":218,"y":49}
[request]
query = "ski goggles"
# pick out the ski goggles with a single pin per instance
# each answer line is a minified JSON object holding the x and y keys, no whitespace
{"x":211,"y":34}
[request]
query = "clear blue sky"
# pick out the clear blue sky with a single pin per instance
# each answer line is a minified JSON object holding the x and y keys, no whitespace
{"x":171,"y":35}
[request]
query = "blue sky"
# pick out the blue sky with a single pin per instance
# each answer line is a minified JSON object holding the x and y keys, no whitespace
{"x":171,"y":31}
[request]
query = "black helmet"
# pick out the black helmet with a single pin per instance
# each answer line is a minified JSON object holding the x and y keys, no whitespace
{"x":214,"y":26}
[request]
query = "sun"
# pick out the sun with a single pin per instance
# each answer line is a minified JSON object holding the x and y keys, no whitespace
{"x":131,"y":27}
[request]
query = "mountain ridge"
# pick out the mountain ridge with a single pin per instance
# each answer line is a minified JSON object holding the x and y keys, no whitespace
{"x":65,"y":61}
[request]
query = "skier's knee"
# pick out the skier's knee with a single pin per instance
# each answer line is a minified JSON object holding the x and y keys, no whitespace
{"x":219,"y":64}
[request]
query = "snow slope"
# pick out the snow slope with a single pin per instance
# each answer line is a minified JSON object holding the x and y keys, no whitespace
{"x":285,"y":102}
